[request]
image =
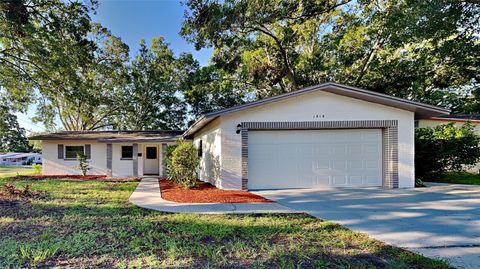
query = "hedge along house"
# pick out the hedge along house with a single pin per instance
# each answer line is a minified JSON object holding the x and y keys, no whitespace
{"x":329,"y":134}
{"x":111,"y":153}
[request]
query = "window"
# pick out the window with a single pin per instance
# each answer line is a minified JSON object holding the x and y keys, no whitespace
{"x":127,"y":152}
{"x":71,"y":151}
{"x":200,"y":149}
{"x":151,"y":152}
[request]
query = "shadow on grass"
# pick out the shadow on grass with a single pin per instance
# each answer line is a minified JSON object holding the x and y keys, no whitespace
{"x":98,"y":229}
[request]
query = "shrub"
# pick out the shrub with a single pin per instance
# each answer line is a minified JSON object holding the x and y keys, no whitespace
{"x":82,"y":163}
{"x":168,"y":161}
{"x":37,"y":169}
{"x":445,"y":148}
{"x":183,"y":164}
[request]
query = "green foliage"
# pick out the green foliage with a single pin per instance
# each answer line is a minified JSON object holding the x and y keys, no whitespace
{"x":151,"y":99}
{"x":83,"y":164}
{"x":36,"y":254}
{"x":37,"y":168}
{"x":414,"y":49}
{"x":12,"y":137}
{"x":53,"y":55}
{"x":91,"y":224}
{"x":445,"y":148}
{"x":168,"y":158}
{"x":210,"y":88}
{"x":184,"y":163}
{"x":458,"y":178}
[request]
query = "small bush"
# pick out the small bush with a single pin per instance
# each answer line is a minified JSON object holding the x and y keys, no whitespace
{"x":445,"y":148}
{"x":82,"y":163}
{"x":37,"y":168}
{"x":183,"y":164}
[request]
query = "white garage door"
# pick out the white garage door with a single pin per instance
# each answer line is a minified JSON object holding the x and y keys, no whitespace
{"x":302,"y":159}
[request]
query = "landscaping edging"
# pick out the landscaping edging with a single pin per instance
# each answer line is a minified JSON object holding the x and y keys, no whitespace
{"x":147,"y":195}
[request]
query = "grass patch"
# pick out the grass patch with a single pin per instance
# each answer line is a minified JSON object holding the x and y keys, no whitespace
{"x":458,"y":178}
{"x":11,"y":171}
{"x":92,"y":224}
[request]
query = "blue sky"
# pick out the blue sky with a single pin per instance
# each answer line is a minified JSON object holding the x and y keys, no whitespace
{"x":132,"y":20}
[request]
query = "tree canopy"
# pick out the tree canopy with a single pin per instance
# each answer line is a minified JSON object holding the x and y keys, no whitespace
{"x":413,"y":49}
{"x":12,"y":137}
{"x":77,"y":72}
{"x":152,"y":98}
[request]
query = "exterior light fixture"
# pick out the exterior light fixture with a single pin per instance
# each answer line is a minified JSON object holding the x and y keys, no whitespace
{"x":239,"y":128}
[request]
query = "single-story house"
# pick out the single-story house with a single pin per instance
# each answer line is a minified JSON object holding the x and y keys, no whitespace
{"x":20,"y":158}
{"x":457,"y":120}
{"x":111,"y":153}
{"x":329,"y":134}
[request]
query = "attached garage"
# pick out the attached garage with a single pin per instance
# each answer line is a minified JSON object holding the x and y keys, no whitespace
{"x":325,"y":135}
{"x":307,"y":158}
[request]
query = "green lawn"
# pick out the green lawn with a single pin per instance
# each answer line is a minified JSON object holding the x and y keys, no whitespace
{"x":10,"y":171}
{"x":459,"y":178}
{"x":91,"y":223}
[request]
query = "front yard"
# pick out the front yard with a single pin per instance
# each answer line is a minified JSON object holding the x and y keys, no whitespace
{"x":91,"y":223}
{"x":10,"y":171}
{"x":458,"y":178}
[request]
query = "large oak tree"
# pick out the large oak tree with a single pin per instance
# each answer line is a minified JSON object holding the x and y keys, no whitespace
{"x":422,"y":50}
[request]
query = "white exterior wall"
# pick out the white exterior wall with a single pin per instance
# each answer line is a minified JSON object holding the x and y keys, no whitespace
{"x":98,"y":162}
{"x":210,"y":163}
{"x":121,"y":168}
{"x":54,"y":166}
{"x":304,"y":108}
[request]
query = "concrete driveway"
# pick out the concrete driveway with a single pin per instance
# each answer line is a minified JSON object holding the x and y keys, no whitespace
{"x":441,"y":221}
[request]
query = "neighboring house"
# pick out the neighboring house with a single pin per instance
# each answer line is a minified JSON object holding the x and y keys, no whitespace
{"x":473,"y":119}
{"x":325,"y":135}
{"x":111,"y":153}
{"x":14,"y":158}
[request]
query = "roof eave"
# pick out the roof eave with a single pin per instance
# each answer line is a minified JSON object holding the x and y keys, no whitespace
{"x":197,"y":125}
{"x":421,"y":110}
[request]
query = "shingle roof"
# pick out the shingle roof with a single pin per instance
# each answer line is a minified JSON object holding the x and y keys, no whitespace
{"x":113,"y":136}
{"x":421,"y":110}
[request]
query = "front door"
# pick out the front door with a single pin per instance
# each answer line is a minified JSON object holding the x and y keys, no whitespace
{"x":151,"y":161}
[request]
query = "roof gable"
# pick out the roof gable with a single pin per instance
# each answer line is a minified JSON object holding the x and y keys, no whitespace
{"x":421,"y":110}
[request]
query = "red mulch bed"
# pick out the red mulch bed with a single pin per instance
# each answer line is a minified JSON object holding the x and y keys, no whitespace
{"x":40,"y":177}
{"x":206,"y":193}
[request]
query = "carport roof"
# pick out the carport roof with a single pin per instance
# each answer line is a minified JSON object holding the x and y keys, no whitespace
{"x":421,"y":110}
{"x":113,"y":136}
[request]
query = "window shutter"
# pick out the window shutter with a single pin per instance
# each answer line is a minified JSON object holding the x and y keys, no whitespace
{"x":60,"y":151}
{"x":88,"y":151}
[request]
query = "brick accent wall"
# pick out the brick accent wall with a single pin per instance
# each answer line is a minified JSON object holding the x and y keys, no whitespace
{"x":389,"y":139}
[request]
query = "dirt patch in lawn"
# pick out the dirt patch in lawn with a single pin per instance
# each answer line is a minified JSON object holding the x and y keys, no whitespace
{"x":206,"y":193}
{"x":79,"y":178}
